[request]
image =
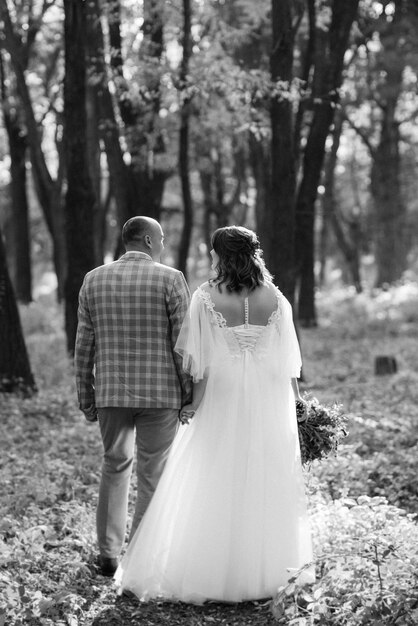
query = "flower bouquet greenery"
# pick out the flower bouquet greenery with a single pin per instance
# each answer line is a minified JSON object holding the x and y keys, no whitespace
{"x":321,"y":429}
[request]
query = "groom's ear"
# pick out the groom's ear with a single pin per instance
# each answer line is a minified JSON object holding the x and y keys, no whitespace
{"x":148,"y":241}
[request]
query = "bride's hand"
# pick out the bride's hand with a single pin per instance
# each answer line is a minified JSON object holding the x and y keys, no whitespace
{"x":186,"y":413}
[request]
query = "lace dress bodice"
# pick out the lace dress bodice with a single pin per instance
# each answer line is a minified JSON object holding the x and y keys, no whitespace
{"x":244,"y":337}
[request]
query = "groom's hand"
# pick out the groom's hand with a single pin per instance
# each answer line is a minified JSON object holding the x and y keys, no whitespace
{"x":90,"y":413}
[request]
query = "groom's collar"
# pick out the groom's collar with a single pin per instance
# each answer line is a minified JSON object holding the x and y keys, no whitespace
{"x":143,"y":255}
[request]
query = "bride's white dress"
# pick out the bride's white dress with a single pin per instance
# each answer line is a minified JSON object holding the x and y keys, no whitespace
{"x":228,"y":520}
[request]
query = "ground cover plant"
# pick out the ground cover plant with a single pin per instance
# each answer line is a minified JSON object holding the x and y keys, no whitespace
{"x":363,"y":501}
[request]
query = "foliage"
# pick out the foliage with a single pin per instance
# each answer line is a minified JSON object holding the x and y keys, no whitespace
{"x":367,"y":567}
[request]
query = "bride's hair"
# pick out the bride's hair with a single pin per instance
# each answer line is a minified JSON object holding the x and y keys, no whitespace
{"x":241,"y":264}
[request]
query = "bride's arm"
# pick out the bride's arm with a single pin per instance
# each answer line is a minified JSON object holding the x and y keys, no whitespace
{"x":188,"y":410}
{"x":295,"y":388}
{"x":301,"y":406}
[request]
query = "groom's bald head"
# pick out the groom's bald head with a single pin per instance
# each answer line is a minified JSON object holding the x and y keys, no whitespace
{"x":143,"y":234}
{"x":135,"y":229}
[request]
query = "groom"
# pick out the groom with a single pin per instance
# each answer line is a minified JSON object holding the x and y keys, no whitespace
{"x":128,"y":375}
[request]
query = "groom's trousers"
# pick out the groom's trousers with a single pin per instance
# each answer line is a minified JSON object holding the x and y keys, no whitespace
{"x":153,"y":430}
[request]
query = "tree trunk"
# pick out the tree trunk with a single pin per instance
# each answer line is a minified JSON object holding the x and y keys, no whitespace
{"x":331,"y":46}
{"x":18,"y":230}
{"x":209,"y":206}
{"x":216,"y":210}
{"x":308,"y":63}
{"x":79,"y":201}
{"x":260,"y":162}
{"x":94,"y":162}
{"x":19,"y":224}
{"x":389,"y":208}
{"x":390,"y":229}
{"x":148,"y":142}
{"x":279,"y":221}
{"x":184,"y":140}
{"x":15,"y":371}
{"x":349,"y":249}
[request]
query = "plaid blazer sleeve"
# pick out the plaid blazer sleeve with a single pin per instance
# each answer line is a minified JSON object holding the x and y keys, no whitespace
{"x":178,"y":305}
{"x":84,"y":352}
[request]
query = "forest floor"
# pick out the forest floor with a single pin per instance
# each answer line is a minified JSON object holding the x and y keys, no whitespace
{"x":363,"y":502}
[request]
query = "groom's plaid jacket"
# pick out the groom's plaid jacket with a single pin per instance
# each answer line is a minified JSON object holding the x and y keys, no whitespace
{"x":129,"y":316}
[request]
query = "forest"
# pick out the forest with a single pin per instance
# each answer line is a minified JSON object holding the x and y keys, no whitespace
{"x":295,"y":118}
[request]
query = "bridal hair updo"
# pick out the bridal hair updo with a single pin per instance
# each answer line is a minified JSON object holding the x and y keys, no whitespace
{"x":241,"y":265}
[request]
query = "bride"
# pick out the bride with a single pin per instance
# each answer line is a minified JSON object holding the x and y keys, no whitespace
{"x":228,"y":520}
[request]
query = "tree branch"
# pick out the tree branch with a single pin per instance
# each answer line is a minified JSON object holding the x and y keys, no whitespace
{"x":361,"y":133}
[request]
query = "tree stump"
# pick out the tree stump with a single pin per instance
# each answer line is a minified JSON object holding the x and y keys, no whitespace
{"x":385,"y":365}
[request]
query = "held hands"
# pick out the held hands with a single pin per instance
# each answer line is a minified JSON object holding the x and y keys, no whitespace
{"x":186,"y":413}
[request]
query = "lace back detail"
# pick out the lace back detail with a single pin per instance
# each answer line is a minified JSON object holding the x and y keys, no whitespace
{"x":277,"y":314}
{"x":219,"y":318}
{"x":248,"y":337}
{"x":221,"y":321}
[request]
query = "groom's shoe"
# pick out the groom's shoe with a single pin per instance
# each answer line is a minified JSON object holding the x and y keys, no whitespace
{"x":107,"y":565}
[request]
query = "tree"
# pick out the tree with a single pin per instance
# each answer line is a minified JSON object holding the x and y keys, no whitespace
{"x":397,"y":37}
{"x":332,"y":217}
{"x":79,"y":200}
{"x":18,"y":223}
{"x":332,"y":37}
{"x":15,"y":371}
{"x":184,"y":165}
{"x":278,"y":227}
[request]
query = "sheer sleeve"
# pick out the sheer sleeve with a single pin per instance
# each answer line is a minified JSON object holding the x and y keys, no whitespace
{"x":289,"y":341}
{"x":196,"y":340}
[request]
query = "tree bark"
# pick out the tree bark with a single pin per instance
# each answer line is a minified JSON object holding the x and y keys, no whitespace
{"x":331,"y":46}
{"x":18,"y":229}
{"x":278,"y":227}
{"x":15,"y":370}
{"x":79,"y":201}
{"x":185,"y":101}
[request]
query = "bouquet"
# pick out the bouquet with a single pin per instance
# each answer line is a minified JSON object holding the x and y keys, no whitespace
{"x":321,"y":429}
